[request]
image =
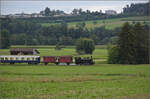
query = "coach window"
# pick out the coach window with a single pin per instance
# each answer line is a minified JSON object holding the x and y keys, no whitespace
{"x":2,"y":58}
{"x":22,"y":58}
{"x":16,"y":58}
{"x":32,"y":58}
{"x":28,"y":58}
{"x":6,"y":58}
{"x":37,"y":58}
{"x":11,"y":58}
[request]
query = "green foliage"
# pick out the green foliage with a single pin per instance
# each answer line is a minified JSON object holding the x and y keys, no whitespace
{"x":142,"y":43}
{"x":94,"y":22}
{"x":137,"y":9}
{"x":133,"y":45}
{"x":80,"y":25}
{"x":4,"y":39}
{"x":58,"y":47}
{"x":113,"y":55}
{"x":85,"y":45}
{"x":47,"y":11}
{"x":126,"y":44}
{"x":31,"y":32}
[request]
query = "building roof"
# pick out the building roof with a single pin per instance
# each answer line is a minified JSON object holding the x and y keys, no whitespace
{"x":24,"y":50}
{"x":1,"y":56}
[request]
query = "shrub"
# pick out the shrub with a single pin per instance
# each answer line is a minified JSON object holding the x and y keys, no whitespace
{"x":113,"y":53}
{"x":85,"y":45}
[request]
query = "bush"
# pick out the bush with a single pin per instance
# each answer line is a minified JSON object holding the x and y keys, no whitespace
{"x":85,"y":46}
{"x":113,"y":53}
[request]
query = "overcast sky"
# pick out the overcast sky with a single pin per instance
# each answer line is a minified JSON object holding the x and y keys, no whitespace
{"x":11,"y":7}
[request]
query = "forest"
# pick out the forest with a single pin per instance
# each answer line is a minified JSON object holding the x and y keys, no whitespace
{"x":30,"y":33}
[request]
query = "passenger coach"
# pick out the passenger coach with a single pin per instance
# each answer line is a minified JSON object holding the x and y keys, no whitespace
{"x":19,"y":59}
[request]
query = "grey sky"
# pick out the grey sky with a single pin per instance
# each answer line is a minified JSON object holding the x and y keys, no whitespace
{"x":11,"y":7}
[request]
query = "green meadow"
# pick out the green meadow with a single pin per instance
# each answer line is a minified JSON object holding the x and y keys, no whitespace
{"x":99,"y":81}
{"x":108,"y":23}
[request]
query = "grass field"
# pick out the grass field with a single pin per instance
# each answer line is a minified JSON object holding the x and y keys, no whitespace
{"x":108,"y":23}
{"x":100,"y":81}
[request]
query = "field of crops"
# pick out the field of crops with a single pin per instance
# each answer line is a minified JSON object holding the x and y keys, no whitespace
{"x":100,"y":81}
{"x":108,"y":23}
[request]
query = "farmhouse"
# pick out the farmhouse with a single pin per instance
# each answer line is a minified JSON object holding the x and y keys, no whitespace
{"x":110,"y":12}
{"x":24,"y":51}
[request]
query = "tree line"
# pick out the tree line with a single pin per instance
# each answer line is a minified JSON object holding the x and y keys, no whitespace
{"x":137,"y":9}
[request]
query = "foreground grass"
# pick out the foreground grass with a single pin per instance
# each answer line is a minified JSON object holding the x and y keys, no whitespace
{"x":60,"y":82}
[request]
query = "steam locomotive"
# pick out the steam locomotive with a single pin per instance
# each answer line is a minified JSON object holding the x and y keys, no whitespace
{"x":12,"y":59}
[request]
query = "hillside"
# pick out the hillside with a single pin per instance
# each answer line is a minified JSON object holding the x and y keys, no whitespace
{"x":109,"y":23}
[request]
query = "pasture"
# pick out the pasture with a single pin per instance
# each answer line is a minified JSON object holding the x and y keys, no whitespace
{"x":108,"y":23}
{"x":100,"y":81}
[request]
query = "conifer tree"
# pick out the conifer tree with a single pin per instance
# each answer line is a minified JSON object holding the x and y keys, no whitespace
{"x":142,"y":43}
{"x":126,"y":44}
{"x":4,"y":39}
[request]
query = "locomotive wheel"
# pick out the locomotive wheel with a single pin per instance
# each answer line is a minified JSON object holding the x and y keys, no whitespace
{"x":56,"y":63}
{"x":11,"y":63}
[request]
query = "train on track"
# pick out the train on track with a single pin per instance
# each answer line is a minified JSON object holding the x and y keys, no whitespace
{"x":32,"y":59}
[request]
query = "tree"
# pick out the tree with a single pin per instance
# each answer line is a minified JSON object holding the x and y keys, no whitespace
{"x":82,"y":25}
{"x":85,"y":45}
{"x":113,"y":55}
{"x":142,"y":43}
{"x":4,"y":39}
{"x":126,"y":44}
{"x":66,"y":40}
{"x":137,"y":9}
{"x":80,"y":11}
{"x":94,"y":22}
{"x":75,"y":11}
{"x":47,"y":11}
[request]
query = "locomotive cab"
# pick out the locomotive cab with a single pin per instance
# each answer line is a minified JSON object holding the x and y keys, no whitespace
{"x":84,"y":61}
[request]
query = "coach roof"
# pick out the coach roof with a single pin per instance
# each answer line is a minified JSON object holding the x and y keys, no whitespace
{"x":24,"y":50}
{"x":18,"y":56}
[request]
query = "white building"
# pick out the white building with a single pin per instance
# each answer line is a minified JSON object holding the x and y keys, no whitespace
{"x":110,"y":12}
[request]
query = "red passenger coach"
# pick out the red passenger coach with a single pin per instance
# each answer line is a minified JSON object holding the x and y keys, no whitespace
{"x":57,"y":59}
{"x":49,"y":59}
{"x":65,"y":59}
